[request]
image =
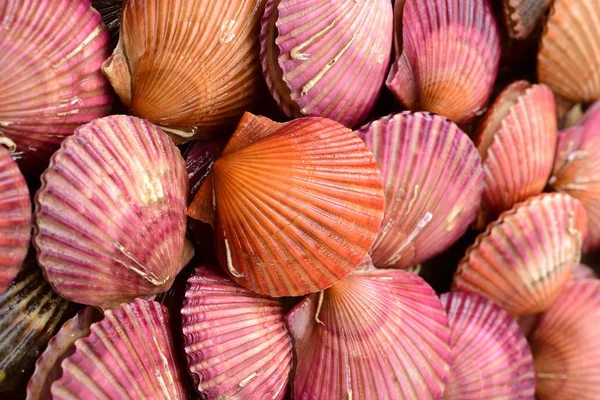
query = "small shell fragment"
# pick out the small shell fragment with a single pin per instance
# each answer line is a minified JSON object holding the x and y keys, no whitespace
{"x":522,"y":16}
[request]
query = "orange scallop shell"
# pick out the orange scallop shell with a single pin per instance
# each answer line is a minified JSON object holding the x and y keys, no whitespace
{"x":524,"y":259}
{"x":298,"y":205}
{"x":519,"y":130}
{"x":569,"y":56}
{"x":566,"y":345}
{"x":191,"y":67}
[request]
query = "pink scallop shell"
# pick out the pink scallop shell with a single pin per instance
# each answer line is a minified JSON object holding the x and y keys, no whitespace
{"x":379,"y":334}
{"x":448,"y":57}
{"x":128,"y":355}
{"x":110,"y":215}
{"x":326,"y":58}
{"x":491,"y":358}
{"x":566,"y":345}
{"x":15,"y":219}
{"x":236,"y":342}
{"x":433,"y":181}
{"x":50,"y":57}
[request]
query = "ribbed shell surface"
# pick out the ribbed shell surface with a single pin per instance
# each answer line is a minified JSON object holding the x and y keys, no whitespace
{"x":433,"y":181}
{"x":524,"y":259}
{"x":326,"y":58}
{"x":50,"y":57}
{"x":110,"y":215}
{"x":110,"y":10}
{"x":15,"y":219}
{"x":298,"y":205}
{"x":566,"y":345}
{"x":522,"y":16}
{"x":30,"y":312}
{"x":128,"y":355}
{"x":449,"y":60}
{"x":525,"y":136}
{"x":491,"y":358}
{"x":191,"y":67}
{"x":569,"y":56}
{"x":379,"y":334}
{"x":236,"y":342}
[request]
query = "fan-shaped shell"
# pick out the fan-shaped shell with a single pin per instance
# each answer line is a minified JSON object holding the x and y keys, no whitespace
{"x":298,"y":205}
{"x":566,"y":345}
{"x":236,"y":342}
{"x":128,"y":355}
{"x":191,"y":67}
{"x":110,"y":215}
{"x":30,"y":313}
{"x":379,"y":334}
{"x":433,"y":181}
{"x":110,"y":10}
{"x":523,"y":260}
{"x":522,"y":16}
{"x":582,"y":271}
{"x":449,"y":57}
{"x":326,"y":58}
{"x":519,"y":130}
{"x":50,"y":57}
{"x":569,"y":56}
{"x":62,"y":345}
{"x":491,"y":358}
{"x":15,"y":219}
{"x":577,"y":169}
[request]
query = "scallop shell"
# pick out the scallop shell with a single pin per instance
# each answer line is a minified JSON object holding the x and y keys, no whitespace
{"x":519,"y":129}
{"x":191,"y":67}
{"x":491,"y":358}
{"x":582,"y":271}
{"x":566,"y":345}
{"x":111,"y":16}
{"x":569,"y":56}
{"x":199,"y":159}
{"x":128,"y":355}
{"x":523,"y":260}
{"x":236,"y":342}
{"x":50,"y":74}
{"x":326,"y":58}
{"x":522,"y":16}
{"x":307,"y":207}
{"x":15,"y":219}
{"x":577,"y":167}
{"x":379,"y":334}
{"x":30,"y":312}
{"x":449,"y":60}
{"x":433,"y":181}
{"x":47,"y":367}
{"x":110,"y":215}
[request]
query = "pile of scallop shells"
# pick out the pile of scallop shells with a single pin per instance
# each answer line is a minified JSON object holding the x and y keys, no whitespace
{"x":283,"y":199}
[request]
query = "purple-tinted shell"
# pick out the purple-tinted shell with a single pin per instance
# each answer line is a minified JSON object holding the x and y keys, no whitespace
{"x":491,"y":358}
{"x":199,"y":159}
{"x":326,"y":58}
{"x":433,"y":181}
{"x":50,"y":57}
{"x":236,"y":342}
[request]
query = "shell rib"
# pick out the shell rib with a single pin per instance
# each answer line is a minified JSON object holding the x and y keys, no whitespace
{"x":15,"y":219}
{"x":50,"y":57}
{"x":523,"y":260}
{"x":236,"y":342}
{"x":522,"y":16}
{"x":569,"y":56}
{"x":566,"y":345}
{"x":379,"y":334}
{"x":519,"y":129}
{"x":191,"y":67}
{"x":31,"y":312}
{"x":111,"y":16}
{"x":298,"y":205}
{"x":433,"y":181}
{"x":577,"y":169}
{"x":110,"y":215}
{"x":448,"y":59}
{"x":326,"y":58}
{"x":62,"y":345}
{"x":128,"y":355}
{"x":491,"y":358}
